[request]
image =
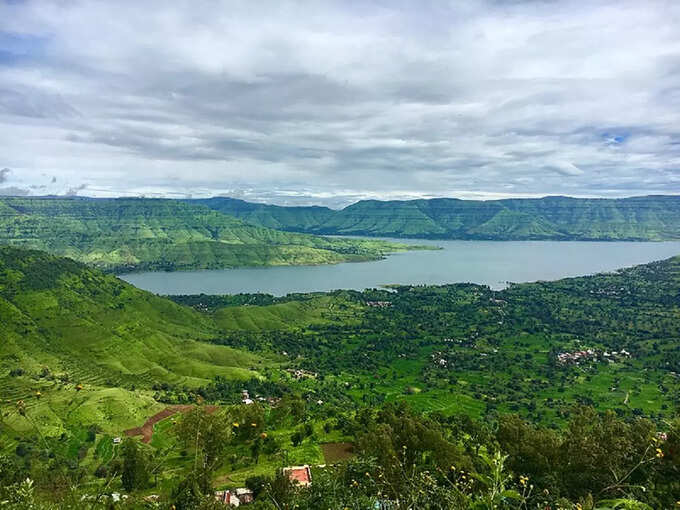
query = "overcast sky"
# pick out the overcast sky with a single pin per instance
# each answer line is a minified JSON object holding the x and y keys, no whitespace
{"x":330,"y":102}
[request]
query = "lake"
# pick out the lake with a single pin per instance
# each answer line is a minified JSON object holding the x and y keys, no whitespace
{"x":492,"y":263}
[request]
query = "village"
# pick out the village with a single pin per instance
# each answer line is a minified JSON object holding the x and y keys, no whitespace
{"x":300,"y":476}
{"x":591,"y":355}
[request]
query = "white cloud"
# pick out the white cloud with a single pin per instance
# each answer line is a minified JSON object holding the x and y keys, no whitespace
{"x":337,"y":100}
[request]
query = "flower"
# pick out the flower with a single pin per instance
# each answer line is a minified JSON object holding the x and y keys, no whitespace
{"x":659,"y":453}
{"x":263,"y":435}
{"x":523,"y":480}
{"x":253,"y":424}
{"x":235,"y":424}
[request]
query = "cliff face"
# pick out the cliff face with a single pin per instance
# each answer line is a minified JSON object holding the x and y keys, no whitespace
{"x":651,"y":218}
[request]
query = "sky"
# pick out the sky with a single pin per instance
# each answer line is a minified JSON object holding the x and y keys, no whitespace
{"x":331,"y":102}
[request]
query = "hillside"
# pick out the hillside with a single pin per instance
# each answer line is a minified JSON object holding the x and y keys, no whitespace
{"x":651,"y":218}
{"x":148,"y":234}
{"x":64,"y":324}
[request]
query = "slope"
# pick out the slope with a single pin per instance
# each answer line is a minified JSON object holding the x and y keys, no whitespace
{"x":650,"y":218}
{"x":149,"y":234}
{"x":64,"y":324}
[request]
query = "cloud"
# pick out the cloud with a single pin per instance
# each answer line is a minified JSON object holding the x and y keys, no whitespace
{"x":566,"y":168}
{"x":72,"y":192}
{"x":13,"y":191}
{"x":4,"y":174}
{"x":342,"y":100}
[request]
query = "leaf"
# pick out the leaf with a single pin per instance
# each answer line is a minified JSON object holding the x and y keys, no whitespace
{"x":511,"y":494}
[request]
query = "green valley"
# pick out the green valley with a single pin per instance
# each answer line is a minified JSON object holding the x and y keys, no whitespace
{"x":425,"y":376}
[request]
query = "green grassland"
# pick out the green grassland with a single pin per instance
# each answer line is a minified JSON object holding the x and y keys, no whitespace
{"x":147,"y":234}
{"x":316,"y":311}
{"x":651,"y":218}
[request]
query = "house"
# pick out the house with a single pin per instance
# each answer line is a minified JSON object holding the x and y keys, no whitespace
{"x":227,"y":498}
{"x":379,"y":304}
{"x":244,"y":495}
{"x":300,"y":475}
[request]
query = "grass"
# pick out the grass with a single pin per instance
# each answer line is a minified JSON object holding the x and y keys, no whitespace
{"x":287,"y":316}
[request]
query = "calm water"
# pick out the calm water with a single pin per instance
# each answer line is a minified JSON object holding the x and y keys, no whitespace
{"x":491,"y":263}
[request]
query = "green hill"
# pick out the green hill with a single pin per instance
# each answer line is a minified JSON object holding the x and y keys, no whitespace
{"x":149,"y":234}
{"x":64,"y":324}
{"x":651,"y":218}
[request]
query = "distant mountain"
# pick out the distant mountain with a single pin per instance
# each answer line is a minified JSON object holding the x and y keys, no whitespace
{"x":271,"y":216}
{"x":137,"y":234}
{"x":650,"y":218}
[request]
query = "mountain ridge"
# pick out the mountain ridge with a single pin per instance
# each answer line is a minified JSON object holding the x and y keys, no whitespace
{"x":131,"y":234}
{"x":555,"y":217}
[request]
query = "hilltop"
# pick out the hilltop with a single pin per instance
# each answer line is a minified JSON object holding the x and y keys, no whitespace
{"x":650,"y":218}
{"x":156,"y":234}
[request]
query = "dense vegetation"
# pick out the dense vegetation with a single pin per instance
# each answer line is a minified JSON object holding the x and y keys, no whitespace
{"x":651,"y":218}
{"x":545,"y":395}
{"x":139,"y":234}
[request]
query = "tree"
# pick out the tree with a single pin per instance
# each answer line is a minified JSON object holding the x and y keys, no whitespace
{"x":135,"y":466}
{"x":207,"y":434}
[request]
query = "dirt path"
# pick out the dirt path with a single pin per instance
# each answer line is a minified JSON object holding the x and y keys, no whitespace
{"x":336,"y":452}
{"x":146,"y":430}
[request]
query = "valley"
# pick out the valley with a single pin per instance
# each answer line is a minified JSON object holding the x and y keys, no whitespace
{"x":86,"y":357}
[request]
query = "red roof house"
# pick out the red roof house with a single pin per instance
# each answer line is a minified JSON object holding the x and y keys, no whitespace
{"x":300,"y":475}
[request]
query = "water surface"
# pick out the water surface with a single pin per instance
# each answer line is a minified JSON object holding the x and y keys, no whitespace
{"x":492,"y":263}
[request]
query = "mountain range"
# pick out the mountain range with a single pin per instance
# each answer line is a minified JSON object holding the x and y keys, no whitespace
{"x":155,"y":234}
{"x":647,"y":218}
